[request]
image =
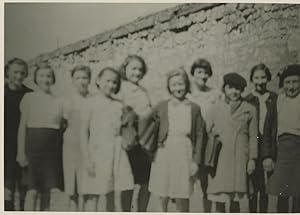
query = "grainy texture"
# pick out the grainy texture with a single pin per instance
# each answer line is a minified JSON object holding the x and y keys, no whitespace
{"x":233,"y":37}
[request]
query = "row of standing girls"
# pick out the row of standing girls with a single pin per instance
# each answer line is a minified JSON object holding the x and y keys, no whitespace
{"x":107,"y":149}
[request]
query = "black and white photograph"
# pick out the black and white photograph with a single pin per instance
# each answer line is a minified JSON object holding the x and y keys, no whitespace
{"x":151,"y":107}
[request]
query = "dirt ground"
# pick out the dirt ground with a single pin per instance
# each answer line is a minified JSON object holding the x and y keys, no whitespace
{"x":195,"y":202}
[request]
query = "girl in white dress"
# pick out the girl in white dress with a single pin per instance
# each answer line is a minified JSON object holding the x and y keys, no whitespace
{"x":72,"y":158}
{"x":180,"y":141}
{"x":106,"y":163}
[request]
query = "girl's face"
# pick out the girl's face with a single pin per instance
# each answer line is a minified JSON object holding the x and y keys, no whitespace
{"x":260,"y":81}
{"x":201,"y":76}
{"x":108,"y":83}
{"x":81,"y":81}
{"x":44,"y":79}
{"x":134,"y":71}
{"x":291,"y":85}
{"x":16,"y":74}
{"x":231,"y":93}
{"x":177,"y":87}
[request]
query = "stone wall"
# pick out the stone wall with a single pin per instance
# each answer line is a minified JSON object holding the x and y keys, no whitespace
{"x":233,"y":37}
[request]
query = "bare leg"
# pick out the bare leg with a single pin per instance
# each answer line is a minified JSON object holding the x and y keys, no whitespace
{"x":182,"y":205}
{"x":73,"y":203}
{"x":80,"y":203}
{"x":91,"y":203}
{"x":55,"y":199}
{"x":143,"y":198}
{"x":126,"y":200}
{"x":30,"y":200}
{"x":164,"y":203}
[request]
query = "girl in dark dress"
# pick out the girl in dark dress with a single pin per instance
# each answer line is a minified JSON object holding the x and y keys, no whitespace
{"x":136,"y":96}
{"x":15,"y":72}
{"x":265,"y":103}
{"x":40,"y":138}
{"x":285,"y":182}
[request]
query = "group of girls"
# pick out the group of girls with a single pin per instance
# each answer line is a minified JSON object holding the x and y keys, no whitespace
{"x":244,"y":150}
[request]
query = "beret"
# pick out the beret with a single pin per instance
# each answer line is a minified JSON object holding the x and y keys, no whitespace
{"x":235,"y":80}
{"x":290,"y":70}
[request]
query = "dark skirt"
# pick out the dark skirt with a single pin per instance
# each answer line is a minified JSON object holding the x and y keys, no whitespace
{"x":286,"y":178}
{"x":140,"y":165}
{"x":44,"y":154}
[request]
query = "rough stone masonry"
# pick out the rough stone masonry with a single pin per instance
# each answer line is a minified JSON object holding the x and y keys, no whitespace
{"x":233,"y":37}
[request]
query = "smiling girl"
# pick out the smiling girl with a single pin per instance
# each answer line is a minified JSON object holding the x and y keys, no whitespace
{"x":16,"y":71}
{"x":233,"y":122}
{"x":284,"y":183}
{"x":107,"y":168}
{"x":180,"y":144}
{"x":136,"y":96}
{"x":40,"y":139}
{"x":265,"y":102}
{"x":72,"y":155}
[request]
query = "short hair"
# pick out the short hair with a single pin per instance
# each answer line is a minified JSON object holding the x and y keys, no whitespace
{"x":44,"y":66}
{"x":263,"y":67}
{"x":84,"y":68}
{"x":18,"y":61}
{"x":100,"y":74}
{"x":127,"y":61}
{"x":179,"y":72}
{"x":201,"y":63}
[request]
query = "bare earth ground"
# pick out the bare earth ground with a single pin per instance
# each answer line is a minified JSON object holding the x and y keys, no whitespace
{"x":195,"y":202}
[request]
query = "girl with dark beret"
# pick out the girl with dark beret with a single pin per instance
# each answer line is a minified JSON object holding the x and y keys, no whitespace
{"x":284,"y":183}
{"x":233,"y":122}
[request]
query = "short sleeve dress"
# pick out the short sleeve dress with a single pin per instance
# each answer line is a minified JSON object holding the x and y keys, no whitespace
{"x":112,"y":167}
{"x":43,"y":141}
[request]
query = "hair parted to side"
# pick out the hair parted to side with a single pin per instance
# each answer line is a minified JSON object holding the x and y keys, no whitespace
{"x":263,"y":67}
{"x":43,"y":66}
{"x":179,"y":72}
{"x":201,"y":63}
{"x":84,"y":68}
{"x":18,"y":61}
{"x":102,"y":71}
{"x":127,"y":61}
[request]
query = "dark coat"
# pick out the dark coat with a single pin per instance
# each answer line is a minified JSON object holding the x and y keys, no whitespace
{"x":268,"y":140}
{"x":129,"y":123}
{"x":158,"y":123}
